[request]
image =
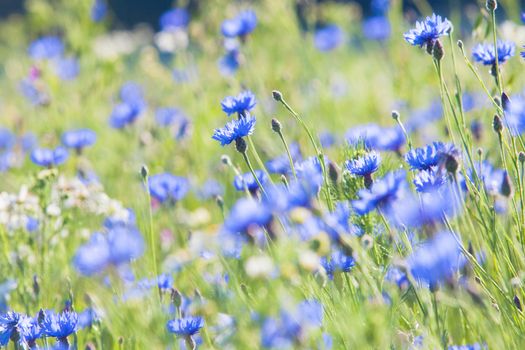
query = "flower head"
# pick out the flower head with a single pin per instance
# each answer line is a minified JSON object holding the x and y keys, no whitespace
{"x":240,"y":26}
{"x":246,"y":213}
{"x":99,"y":10}
{"x":167,"y":187}
{"x":365,"y":165}
{"x":383,"y":193}
{"x":186,"y":326}
{"x":484,"y":53}
{"x":8,"y":323}
{"x":45,"y":48}
{"x":79,"y":139}
{"x":59,"y":325}
{"x":49,"y":157}
{"x":235,"y":129}
{"x":428,"y":31}
{"x":328,"y":37}
{"x":424,"y":158}
{"x":240,"y":104}
{"x":248,"y":181}
{"x":177,"y":18}
{"x":66,"y":68}
{"x":429,"y":180}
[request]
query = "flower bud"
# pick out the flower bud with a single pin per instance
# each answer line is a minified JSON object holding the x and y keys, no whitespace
{"x":277,"y":95}
{"x":491,"y":5}
{"x":240,"y":145}
{"x":521,"y":157}
{"x":506,"y":185}
{"x":460,"y":44}
{"x":226,"y":160}
{"x":497,"y":124}
{"x":395,"y":115}
{"x":144,"y":172}
{"x":276,"y":125}
{"x":438,"y":51}
{"x":505,"y":101}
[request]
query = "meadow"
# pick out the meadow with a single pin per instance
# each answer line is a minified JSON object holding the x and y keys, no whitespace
{"x":263,"y":175}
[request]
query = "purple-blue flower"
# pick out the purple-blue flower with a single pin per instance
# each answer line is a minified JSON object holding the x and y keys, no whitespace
{"x":235,"y":129}
{"x":177,"y":18}
{"x":239,"y":26}
{"x":328,"y":38}
{"x":66,"y":68}
{"x":99,"y":10}
{"x":59,"y":325}
{"x":49,"y":157}
{"x":365,"y":165}
{"x":240,"y":104}
{"x":382,"y":194}
{"x":429,"y":180}
{"x":45,"y":48}
{"x":428,"y":31}
{"x":484,"y":53}
{"x":248,"y":181}
{"x":186,"y":326}
{"x":246,"y":213}
{"x":424,"y":158}
{"x":79,"y":138}
{"x":166,"y":187}
{"x":377,"y":28}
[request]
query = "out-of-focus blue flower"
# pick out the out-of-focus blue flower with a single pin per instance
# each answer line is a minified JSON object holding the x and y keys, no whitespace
{"x":240,"y":104}
{"x":230,"y":62}
{"x":32,"y":224}
{"x":164,"y":281}
{"x":248,"y":181}
{"x":132,"y":105}
{"x":123,"y":114}
{"x":239,"y":26}
{"x":119,"y":246}
{"x":376,"y":137}
{"x":165,"y":116}
{"x":365,"y":165}
{"x":210,"y":189}
{"x":428,"y":31}
{"x":235,"y":129}
{"x":310,"y":312}
{"x":310,"y":172}
{"x":484,"y":53}
{"x":59,"y":325}
{"x":186,"y":326}
{"x":6,"y":286}
{"x":475,"y":346}
{"x":382,"y":194}
{"x":99,"y":10}
{"x":337,"y":262}
{"x":177,"y":18}
{"x":87,"y":317}
{"x":424,"y":116}
{"x":281,"y":164}
{"x":437,"y":259}
{"x":66,"y":68}
{"x":49,"y":157}
{"x":327,"y":139}
{"x":32,"y":93}
{"x":29,"y":331}
{"x":424,"y":158}
{"x":79,"y":138}
{"x":7,"y":139}
{"x":515,"y":116}
{"x":429,"y":180}
{"x":46,"y":48}
{"x":376,"y":28}
{"x":8,"y":323}
{"x":380,"y":6}
{"x":328,"y":38}
{"x":167,"y":187}
{"x":246,"y":213}
{"x":395,"y":275}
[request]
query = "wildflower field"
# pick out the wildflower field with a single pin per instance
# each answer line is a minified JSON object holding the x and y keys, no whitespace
{"x":263,"y":175}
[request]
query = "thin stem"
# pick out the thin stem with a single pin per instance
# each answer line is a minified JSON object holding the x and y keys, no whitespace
{"x":151,"y":233}
{"x":247,"y":160}
{"x":288,"y":153}
{"x":258,"y":158}
{"x":497,"y":74}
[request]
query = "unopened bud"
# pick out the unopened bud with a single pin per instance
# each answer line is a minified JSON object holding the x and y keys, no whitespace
{"x":438,"y":51}
{"x":395,"y":115}
{"x":505,"y":101}
{"x":333,"y":173}
{"x":240,"y":145}
{"x":176,"y":298}
{"x":521,"y":157}
{"x":480,"y":151}
{"x":491,"y":5}
{"x":144,"y":172}
{"x":517,"y":303}
{"x":497,"y":124}
{"x":276,"y":125}
{"x":277,"y":95}
{"x":506,"y":185}
{"x":460,"y":44}
{"x":226,"y":160}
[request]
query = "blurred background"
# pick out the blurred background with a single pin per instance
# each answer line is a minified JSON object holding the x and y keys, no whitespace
{"x":128,"y":13}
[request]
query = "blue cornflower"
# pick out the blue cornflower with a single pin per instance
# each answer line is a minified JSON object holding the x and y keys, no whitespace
{"x":47,"y":47}
{"x":210,"y":189}
{"x":79,"y":139}
{"x":235,"y":129}
{"x":30,"y":331}
{"x":87,"y":317}
{"x":240,"y":26}
{"x":338,"y":261}
{"x":423,"y":117}
{"x":281,"y":164}
{"x":49,"y":157}
{"x":310,"y":172}
{"x":428,"y":31}
{"x":119,"y":246}
{"x":515,"y":116}
{"x":240,"y":104}
{"x":484,"y":53}
{"x":429,"y":180}
{"x":377,"y":28}
{"x":165,"y":116}
{"x":424,"y":158}
{"x":328,"y":38}
{"x":167,"y":187}
{"x":35,"y":95}
{"x":123,"y":114}
{"x":132,"y":94}
{"x":365,"y":165}
{"x":186,"y":326}
{"x":248,"y":181}
{"x":8,"y":323}
{"x":437,"y":259}
{"x":99,"y":10}
{"x":177,"y":18}
{"x":164,"y":281}
{"x":384,"y":192}
{"x":246,"y":213}
{"x":59,"y":325}
{"x":380,"y":6}
{"x":475,"y":346}
{"x":66,"y":68}
{"x":376,"y":137}
{"x":230,"y":62}
{"x":7,"y":139}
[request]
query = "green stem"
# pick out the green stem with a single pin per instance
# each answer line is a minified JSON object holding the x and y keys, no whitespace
{"x":288,"y":153}
{"x":495,"y":39}
{"x":247,"y":160}
{"x":151,"y":233}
